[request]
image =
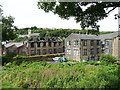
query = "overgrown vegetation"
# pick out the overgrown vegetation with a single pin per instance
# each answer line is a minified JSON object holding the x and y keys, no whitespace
{"x":63,"y":33}
{"x":61,"y":75}
{"x":107,"y":59}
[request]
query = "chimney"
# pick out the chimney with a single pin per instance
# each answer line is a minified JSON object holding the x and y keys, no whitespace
{"x":29,"y":32}
{"x":118,"y":18}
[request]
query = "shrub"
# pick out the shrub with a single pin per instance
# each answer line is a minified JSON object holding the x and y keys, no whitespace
{"x":107,"y":59}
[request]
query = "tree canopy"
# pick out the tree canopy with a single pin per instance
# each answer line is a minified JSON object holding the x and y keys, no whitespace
{"x":8,"y":28}
{"x":88,"y":18}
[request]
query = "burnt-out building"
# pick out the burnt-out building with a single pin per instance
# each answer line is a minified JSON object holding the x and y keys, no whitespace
{"x":44,"y":45}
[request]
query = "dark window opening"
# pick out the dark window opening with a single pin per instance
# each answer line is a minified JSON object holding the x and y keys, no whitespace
{"x":49,"y":44}
{"x":91,"y":51}
{"x":98,"y":50}
{"x":84,"y":52}
{"x":69,"y":42}
{"x":92,"y":58}
{"x":44,"y":51}
{"x":32,"y":52}
{"x":55,"y":50}
{"x":98,"y":42}
{"x":38,"y":44}
{"x":92,"y":43}
{"x":55,"y":44}
{"x":60,"y":43}
{"x":44,"y":44}
{"x":50,"y":51}
{"x":84,"y":42}
{"x":32,"y":45}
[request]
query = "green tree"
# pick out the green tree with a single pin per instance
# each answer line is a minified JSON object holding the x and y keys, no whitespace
{"x":8,"y":28}
{"x":107,"y":59}
{"x":88,"y":18}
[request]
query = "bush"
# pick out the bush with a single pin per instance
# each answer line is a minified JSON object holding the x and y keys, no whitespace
{"x":107,"y":59}
{"x":92,"y":62}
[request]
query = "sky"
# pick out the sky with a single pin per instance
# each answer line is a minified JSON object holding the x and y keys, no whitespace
{"x":27,"y":14}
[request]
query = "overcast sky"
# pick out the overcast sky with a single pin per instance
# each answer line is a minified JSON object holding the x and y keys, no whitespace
{"x":27,"y":14}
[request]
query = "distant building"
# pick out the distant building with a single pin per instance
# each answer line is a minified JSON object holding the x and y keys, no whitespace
{"x":15,"y":47}
{"x":34,"y":45}
{"x":90,"y":47}
{"x":30,"y":34}
{"x":46,"y":45}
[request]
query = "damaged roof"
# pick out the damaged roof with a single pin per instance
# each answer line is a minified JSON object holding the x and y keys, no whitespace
{"x":17,"y":44}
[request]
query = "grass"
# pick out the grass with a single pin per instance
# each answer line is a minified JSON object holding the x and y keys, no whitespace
{"x":7,"y":85}
{"x":67,"y":75}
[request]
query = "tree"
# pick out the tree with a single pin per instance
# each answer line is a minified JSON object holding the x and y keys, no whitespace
{"x":88,"y":18}
{"x":8,"y":28}
{"x":34,"y":28}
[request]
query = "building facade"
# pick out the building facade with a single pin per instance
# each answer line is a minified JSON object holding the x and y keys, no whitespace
{"x":43,"y":46}
{"x":33,"y":44}
{"x":90,"y":47}
{"x":82,"y":47}
{"x":111,"y":44}
{"x":15,"y":47}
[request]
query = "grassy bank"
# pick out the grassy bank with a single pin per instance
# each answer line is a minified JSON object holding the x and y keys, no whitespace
{"x":61,"y":75}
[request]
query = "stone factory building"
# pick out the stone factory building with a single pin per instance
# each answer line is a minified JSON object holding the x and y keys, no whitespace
{"x":42,"y":46}
{"x":90,"y":47}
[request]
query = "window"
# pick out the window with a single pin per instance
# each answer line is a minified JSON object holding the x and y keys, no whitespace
{"x":68,"y":43}
{"x":75,"y":42}
{"x":38,"y":52}
{"x":75,"y":51}
{"x":98,"y":58}
{"x":49,"y":44}
{"x":68,"y":51}
{"x":103,"y":50}
{"x":55,"y":44}
{"x":38,"y":44}
{"x":84,"y":42}
{"x":107,"y":43}
{"x":103,"y":46}
{"x":59,"y":50}
{"x":98,"y":42}
{"x":50,"y":51}
{"x":98,"y":50}
{"x":32,"y":52}
{"x":91,"y":51}
{"x":92,"y":58}
{"x":44,"y":51}
{"x":44,"y":44}
{"x":60,"y":43}
{"x":84,"y":52}
{"x":92,"y":43}
{"x":32,"y":45}
{"x":107,"y":51}
{"x":55,"y":50}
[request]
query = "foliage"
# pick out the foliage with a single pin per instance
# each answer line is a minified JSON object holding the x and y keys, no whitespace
{"x":88,"y":17}
{"x":107,"y":59}
{"x":60,"y":75}
{"x":8,"y":58}
{"x":7,"y":85}
{"x":18,"y":39}
{"x":8,"y":28}
{"x":62,"y":33}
